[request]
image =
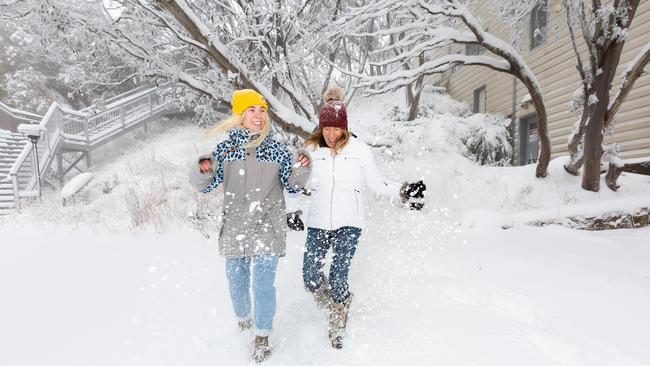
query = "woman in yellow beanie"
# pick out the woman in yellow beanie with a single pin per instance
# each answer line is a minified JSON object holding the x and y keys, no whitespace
{"x":254,"y":170}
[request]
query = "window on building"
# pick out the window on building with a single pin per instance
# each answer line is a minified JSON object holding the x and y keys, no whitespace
{"x":479,"y":100}
{"x":528,"y":143}
{"x":538,"y":24}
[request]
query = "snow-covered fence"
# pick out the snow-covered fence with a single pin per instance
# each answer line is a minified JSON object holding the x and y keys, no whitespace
{"x":47,"y":146}
{"x":10,"y":118}
{"x":83,"y":130}
{"x":93,"y":123}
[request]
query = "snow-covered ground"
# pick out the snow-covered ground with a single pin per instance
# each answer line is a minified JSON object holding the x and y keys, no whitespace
{"x":121,"y":277}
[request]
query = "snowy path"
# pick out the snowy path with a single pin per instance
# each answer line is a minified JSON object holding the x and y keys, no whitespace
{"x":427,"y":290}
{"x":516,"y":297}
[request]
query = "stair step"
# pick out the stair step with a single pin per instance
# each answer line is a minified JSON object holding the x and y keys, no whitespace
{"x":7,"y":204}
{"x":14,"y":140}
{"x":14,"y":135}
{"x":13,"y":143}
{"x":12,"y":147}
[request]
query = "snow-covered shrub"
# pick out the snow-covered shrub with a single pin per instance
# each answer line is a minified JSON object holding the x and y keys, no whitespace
{"x":27,"y":90}
{"x":107,"y":186}
{"x":486,"y":139}
{"x":447,"y":124}
{"x":434,"y":105}
{"x":147,"y":206}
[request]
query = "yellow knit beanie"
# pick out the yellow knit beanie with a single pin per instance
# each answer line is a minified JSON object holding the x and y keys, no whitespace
{"x":242,"y":99}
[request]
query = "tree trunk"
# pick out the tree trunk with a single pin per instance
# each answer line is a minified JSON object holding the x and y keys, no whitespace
{"x":593,"y":153}
{"x":612,"y":175}
{"x":605,"y":61}
{"x":414,"y":99}
{"x":577,"y":156}
{"x":414,"y":91}
{"x":542,"y":121}
{"x":414,"y":106}
{"x":594,"y":134}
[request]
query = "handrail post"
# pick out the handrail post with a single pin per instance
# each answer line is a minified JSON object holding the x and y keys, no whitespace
{"x":150,"y":105}
{"x":86,"y":123}
{"x":14,"y":183}
{"x":122,"y":117}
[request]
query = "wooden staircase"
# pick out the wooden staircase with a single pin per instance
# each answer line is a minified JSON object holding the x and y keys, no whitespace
{"x":69,"y":131}
{"x":11,"y":145}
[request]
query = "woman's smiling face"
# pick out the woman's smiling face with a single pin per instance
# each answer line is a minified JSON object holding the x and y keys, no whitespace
{"x":332,"y":135}
{"x":254,"y":118}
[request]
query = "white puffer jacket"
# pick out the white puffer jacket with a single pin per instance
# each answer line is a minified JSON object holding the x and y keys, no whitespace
{"x":338,"y":184}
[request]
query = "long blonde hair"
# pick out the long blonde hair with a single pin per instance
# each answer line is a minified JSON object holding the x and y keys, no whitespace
{"x":235,"y":121}
{"x":316,"y":139}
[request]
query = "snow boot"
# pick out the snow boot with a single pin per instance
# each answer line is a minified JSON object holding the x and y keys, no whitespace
{"x":262,"y":350}
{"x":322,"y":296}
{"x":338,"y":321}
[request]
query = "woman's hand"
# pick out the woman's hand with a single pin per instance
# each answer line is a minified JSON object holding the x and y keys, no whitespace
{"x":204,"y":165}
{"x":304,"y":160}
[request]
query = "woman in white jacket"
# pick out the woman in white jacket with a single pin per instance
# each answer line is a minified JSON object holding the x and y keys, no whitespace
{"x":342,"y":167}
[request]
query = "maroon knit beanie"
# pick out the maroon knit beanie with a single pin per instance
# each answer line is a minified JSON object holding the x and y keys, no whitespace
{"x":333,"y":114}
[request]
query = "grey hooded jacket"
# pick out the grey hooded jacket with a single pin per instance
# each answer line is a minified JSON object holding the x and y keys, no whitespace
{"x":254,"y":218}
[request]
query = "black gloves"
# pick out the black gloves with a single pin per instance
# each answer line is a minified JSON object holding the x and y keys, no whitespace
{"x":413,"y":193}
{"x":294,"y":222}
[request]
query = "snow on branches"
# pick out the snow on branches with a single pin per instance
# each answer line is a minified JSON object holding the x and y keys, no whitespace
{"x":413,"y":36}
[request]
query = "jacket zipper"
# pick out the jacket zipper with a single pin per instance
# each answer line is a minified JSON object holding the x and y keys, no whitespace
{"x":332,"y":196}
{"x":246,"y":185}
{"x":356,"y":200}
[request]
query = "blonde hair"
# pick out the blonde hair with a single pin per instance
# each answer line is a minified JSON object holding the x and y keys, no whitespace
{"x":316,"y":139}
{"x":235,"y":121}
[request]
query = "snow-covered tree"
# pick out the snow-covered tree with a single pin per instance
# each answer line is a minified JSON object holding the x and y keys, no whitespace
{"x":210,"y":47}
{"x":604,"y":28}
{"x":425,"y":27}
{"x":57,"y":62}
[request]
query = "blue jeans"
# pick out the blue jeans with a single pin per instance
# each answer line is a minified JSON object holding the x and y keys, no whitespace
{"x":238,"y":272}
{"x":344,"y":242}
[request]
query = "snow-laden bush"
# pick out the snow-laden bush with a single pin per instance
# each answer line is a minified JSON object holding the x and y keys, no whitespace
{"x":435,"y":104}
{"x":147,"y":206}
{"x":27,"y":90}
{"x":486,"y":139}
{"x":445,"y":123}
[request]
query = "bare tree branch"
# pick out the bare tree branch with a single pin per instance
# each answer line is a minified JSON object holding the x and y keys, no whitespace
{"x":630,"y":75}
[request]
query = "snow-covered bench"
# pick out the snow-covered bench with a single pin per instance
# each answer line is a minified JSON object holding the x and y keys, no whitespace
{"x":74,"y":186}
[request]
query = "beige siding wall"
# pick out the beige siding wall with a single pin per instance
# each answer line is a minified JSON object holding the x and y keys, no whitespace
{"x":553,"y":63}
